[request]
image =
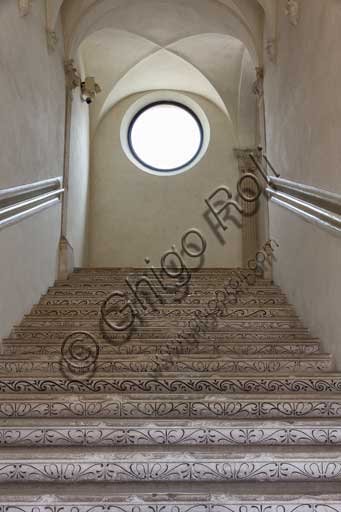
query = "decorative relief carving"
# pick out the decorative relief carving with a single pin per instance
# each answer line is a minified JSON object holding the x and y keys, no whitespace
{"x":271,"y":50}
{"x":292,"y":10}
{"x":24,"y":7}
{"x":161,"y":384}
{"x":52,"y":40}
{"x":73,"y":79}
{"x":201,"y":407}
{"x":136,"y":436}
{"x":260,"y":470}
{"x":178,"y":504}
{"x":258,"y":85}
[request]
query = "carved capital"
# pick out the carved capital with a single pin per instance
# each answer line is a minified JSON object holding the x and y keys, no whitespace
{"x":245,"y":163}
{"x":24,"y":7}
{"x":52,"y":40}
{"x":73,"y":79}
{"x":292,"y":10}
{"x":258,"y":88}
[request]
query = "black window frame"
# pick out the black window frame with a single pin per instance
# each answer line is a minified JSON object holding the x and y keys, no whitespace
{"x":155,"y":104}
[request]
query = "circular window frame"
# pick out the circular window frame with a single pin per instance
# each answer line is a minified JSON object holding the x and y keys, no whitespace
{"x":165,"y":96}
{"x":154,"y":104}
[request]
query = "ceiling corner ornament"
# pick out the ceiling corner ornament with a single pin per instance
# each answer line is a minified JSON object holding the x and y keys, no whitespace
{"x":271,"y":50}
{"x":292,"y":10}
{"x":52,"y":40}
{"x":258,"y":85}
{"x":24,"y":7}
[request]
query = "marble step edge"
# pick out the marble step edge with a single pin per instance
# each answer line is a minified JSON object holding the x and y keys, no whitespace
{"x":186,"y":309}
{"x":106,"y":368}
{"x":204,"y":406}
{"x":169,"y":463}
{"x":162,"y":344}
{"x":157,"y":502}
{"x":200,"y":358}
{"x":92,"y":433}
{"x":159,"y":335}
{"x":209,"y":351}
{"x":174,"y":385}
{"x":186,"y":301}
{"x":222,"y":324}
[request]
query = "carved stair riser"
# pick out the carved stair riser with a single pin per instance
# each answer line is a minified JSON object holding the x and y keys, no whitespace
{"x":52,"y":348}
{"x":175,"y":384}
{"x":166,"y":363}
{"x":155,"y":467}
{"x":234,"y":435}
{"x":194,"y":503}
{"x":161,"y":334}
{"x":69,"y":406}
{"x":250,"y":399}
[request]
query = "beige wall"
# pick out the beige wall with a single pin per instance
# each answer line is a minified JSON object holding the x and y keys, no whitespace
{"x":78,"y":177}
{"x":134,"y":214}
{"x":31,"y":133}
{"x":303,"y":106}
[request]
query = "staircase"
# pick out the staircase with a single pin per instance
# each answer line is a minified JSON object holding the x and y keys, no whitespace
{"x":235,"y":411}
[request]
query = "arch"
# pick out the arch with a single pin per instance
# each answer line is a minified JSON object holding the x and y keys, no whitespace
{"x":134,"y":15}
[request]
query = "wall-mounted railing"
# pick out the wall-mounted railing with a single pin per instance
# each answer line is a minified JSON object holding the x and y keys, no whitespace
{"x":313,"y":204}
{"x":318,"y":206}
{"x":20,"y":202}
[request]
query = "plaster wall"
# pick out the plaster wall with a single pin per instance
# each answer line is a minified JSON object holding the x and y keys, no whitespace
{"x":32,"y":111}
{"x":303,"y":115}
{"x":78,"y":178}
{"x":134,"y":214}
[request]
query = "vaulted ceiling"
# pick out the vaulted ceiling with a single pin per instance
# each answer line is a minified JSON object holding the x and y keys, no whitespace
{"x":205,"y":47}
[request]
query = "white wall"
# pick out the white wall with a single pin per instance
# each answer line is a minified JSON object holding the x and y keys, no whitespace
{"x":78,"y":177}
{"x":303,"y":106}
{"x":32,"y":108}
{"x":134,"y":214}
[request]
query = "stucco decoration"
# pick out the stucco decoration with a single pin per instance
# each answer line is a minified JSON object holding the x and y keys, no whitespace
{"x":271,"y":50}
{"x":258,"y":86}
{"x":52,"y":40}
{"x":293,"y":11}
{"x":73,"y":79}
{"x":24,"y":7}
{"x":52,"y":12}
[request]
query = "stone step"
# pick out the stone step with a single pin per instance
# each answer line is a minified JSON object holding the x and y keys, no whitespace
{"x":149,"y":405}
{"x":244,"y":324}
{"x":99,"y":433}
{"x":106,"y":366}
{"x":190,"y":301}
{"x":106,"y":289}
{"x":110,"y":286}
{"x":164,"y":463}
{"x":169,"y":311}
{"x":123,"y":270}
{"x":12,"y":348}
{"x":314,"y":496}
{"x":172,"y":384}
{"x":150,"y":335}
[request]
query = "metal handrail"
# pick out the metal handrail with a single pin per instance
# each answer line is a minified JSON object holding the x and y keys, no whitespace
{"x":17,"y":203}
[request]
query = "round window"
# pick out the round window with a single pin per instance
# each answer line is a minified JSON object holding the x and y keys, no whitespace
{"x":165,"y":136}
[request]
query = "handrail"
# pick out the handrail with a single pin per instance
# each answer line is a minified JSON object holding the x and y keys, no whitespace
{"x":320,"y":197}
{"x":321,"y":207}
{"x":17,"y":203}
{"x":316,"y":205}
